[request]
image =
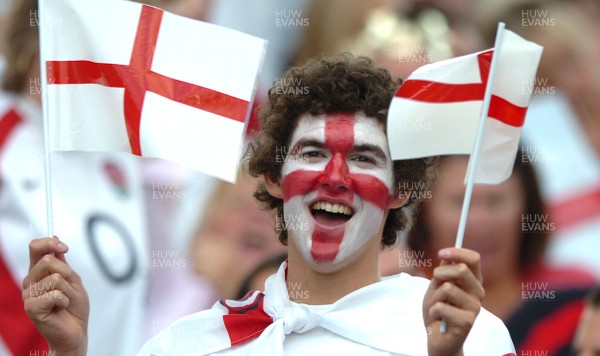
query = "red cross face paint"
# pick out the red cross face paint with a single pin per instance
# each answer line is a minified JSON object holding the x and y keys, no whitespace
{"x":337,"y":184}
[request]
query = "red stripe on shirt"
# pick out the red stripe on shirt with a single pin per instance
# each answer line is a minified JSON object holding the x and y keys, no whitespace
{"x":553,"y":332}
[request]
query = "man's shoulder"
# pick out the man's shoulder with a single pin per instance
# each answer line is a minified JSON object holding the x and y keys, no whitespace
{"x":205,"y":332}
{"x":407,"y":283}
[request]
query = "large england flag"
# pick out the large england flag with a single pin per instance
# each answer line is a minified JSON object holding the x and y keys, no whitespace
{"x":437,"y":109}
{"x":147,"y":82}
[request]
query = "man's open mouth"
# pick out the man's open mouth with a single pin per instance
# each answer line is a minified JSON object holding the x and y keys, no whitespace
{"x":331,"y":214}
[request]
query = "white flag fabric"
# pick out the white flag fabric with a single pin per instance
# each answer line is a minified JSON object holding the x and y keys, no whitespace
{"x":381,"y":318}
{"x":437,"y":109}
{"x":148,"y":82}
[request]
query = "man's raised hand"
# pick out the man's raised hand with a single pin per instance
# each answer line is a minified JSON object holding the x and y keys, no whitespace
{"x":455,"y":294}
{"x":55,"y":299}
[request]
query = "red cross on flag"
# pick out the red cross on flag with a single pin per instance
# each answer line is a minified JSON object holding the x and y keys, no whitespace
{"x":147,"y":82}
{"x":437,"y":109}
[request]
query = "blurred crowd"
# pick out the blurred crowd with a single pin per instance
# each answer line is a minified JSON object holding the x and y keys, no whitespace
{"x":154,"y":241}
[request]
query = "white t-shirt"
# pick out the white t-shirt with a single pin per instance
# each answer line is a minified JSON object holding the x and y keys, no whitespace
{"x":383,"y":318}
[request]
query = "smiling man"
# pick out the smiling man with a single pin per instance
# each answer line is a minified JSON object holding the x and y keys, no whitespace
{"x":329,"y":178}
{"x":339,"y":184}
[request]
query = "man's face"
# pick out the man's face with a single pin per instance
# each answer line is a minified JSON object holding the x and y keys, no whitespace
{"x":337,"y":185}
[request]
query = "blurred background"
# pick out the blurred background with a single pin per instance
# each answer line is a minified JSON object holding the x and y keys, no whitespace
{"x":154,"y":241}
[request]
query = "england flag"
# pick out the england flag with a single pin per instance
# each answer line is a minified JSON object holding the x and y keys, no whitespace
{"x":437,"y":109}
{"x":149,"y":82}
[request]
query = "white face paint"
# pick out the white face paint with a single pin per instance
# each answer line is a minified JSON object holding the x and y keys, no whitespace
{"x":337,"y":183}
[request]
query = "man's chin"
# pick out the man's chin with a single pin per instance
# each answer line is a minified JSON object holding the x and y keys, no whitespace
{"x":323,"y":256}
{"x":325,"y":267}
{"x":325,"y":250}
{"x":327,"y":264}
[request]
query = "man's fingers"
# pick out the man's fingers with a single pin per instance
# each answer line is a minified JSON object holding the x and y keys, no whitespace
{"x":38,"y":308}
{"x":472,"y":259}
{"x":452,"y":294}
{"x":61,"y":257}
{"x":38,"y":248}
{"x":47,"y":265}
{"x":52,"y":282}
{"x":454,"y":317}
{"x":461,"y":275}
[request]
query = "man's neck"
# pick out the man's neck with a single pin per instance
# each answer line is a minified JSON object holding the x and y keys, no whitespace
{"x":325,"y":288}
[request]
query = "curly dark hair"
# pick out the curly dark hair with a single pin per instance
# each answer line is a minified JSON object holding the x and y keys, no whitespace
{"x":336,"y":84}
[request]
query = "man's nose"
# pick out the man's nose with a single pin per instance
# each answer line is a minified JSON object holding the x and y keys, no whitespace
{"x":336,"y":175}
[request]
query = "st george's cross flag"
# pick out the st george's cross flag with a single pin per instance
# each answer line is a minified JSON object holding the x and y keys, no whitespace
{"x":147,"y":82}
{"x":437,"y":110}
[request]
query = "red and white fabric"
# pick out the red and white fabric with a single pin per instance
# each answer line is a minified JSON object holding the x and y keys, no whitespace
{"x":380,"y":319}
{"x":437,"y":110}
{"x":149,"y":82}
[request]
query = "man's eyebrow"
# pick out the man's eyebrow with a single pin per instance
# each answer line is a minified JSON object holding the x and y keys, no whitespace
{"x":308,"y":142}
{"x":373,"y":149}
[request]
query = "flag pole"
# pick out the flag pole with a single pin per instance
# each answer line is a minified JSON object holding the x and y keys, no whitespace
{"x":42,"y":28}
{"x":472,"y":168}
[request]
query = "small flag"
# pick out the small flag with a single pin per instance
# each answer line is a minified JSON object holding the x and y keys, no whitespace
{"x":148,"y":82}
{"x":437,"y":109}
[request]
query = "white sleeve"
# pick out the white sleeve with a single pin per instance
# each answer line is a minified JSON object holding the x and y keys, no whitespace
{"x":489,"y":336}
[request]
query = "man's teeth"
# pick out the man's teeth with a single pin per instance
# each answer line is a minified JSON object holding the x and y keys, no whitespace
{"x":332,"y":208}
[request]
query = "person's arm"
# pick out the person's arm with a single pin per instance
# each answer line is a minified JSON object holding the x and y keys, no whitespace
{"x":455,"y":294}
{"x":55,"y":299}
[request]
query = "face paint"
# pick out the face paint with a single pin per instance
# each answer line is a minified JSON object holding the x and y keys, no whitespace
{"x":337,"y":184}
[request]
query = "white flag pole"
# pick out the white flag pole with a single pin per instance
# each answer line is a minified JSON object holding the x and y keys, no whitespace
{"x":43,"y":28}
{"x":472,"y":168}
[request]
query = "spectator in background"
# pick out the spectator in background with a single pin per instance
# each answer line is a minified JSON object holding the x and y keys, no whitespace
{"x":399,"y":35}
{"x":508,"y":226}
{"x":281,"y":22}
{"x":257,"y":278}
{"x":565,"y":106}
{"x":234,"y":237}
{"x":230,"y":237}
{"x":333,"y":24}
{"x":587,"y":340}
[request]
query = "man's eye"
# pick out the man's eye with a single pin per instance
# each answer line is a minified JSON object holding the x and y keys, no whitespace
{"x":364,"y":159}
{"x":311,"y":154}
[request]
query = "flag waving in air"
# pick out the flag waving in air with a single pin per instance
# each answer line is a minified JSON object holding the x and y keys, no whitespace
{"x":147,"y":82}
{"x":475,"y":104}
{"x":437,"y":110}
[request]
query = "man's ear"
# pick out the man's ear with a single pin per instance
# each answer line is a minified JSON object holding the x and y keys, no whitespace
{"x":399,"y":200}
{"x":273,"y":187}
